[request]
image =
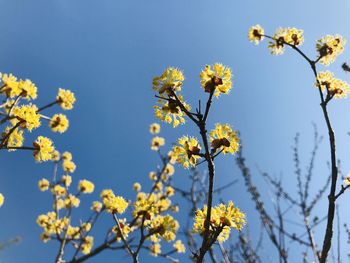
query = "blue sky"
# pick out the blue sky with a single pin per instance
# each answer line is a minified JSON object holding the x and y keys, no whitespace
{"x":107,"y":52}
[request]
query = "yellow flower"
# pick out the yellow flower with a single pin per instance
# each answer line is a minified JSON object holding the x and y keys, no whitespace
{"x":66,"y":180}
{"x":216,"y":79}
{"x":43,"y":149}
{"x":59,"y":123}
{"x":153,"y":176}
{"x":223,"y":218}
{"x":67,"y":156}
{"x":96,"y":206}
{"x":71,"y":201}
{"x":335,"y":87}
{"x":170,"y":81}
{"x":155,"y":249}
{"x":27,"y":89}
{"x":10,"y":85}
{"x":154,"y":128}
{"x":223,"y":138}
{"x":65,"y":99}
{"x":180,"y":248}
{"x":169,"y":191}
{"x":2,"y":199}
{"x":56,"y":156}
{"x":256,"y":34}
{"x":170,"y":112}
{"x":157,"y":142}
{"x":137,"y":187}
{"x":329,"y":48}
{"x":163,"y":227}
{"x":86,"y":187}
{"x":68,"y":166}
{"x":125,"y":229}
{"x":114,"y":204}
{"x":15,"y":139}
{"x":27,"y":116}
{"x":43,"y":185}
{"x":169,"y":169}
{"x":187,"y":151}
{"x":59,"y":190}
{"x":87,"y":245}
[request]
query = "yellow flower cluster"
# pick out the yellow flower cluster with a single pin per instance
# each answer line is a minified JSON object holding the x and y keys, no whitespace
{"x":86,"y":187}
{"x":114,"y":204}
{"x":27,"y":117}
{"x":43,"y":149}
{"x":187,"y":151}
{"x":154,"y":128}
{"x":68,"y":165}
{"x":15,"y":138}
{"x":179,"y":246}
{"x":329,"y":48}
{"x":164,"y":227}
{"x":157,"y":142}
{"x":168,"y":86}
{"x":223,"y":218}
{"x":125,"y":229}
{"x":13,"y":88}
{"x":65,"y":99}
{"x":217,"y":79}
{"x":256,"y":34}
{"x":87,"y":245}
{"x":170,"y":81}
{"x":335,"y":87}
{"x":59,"y":123}
{"x":51,"y":225}
{"x":223,"y":138}
{"x":170,"y":112}
{"x":44,"y":185}
{"x":292,"y":36}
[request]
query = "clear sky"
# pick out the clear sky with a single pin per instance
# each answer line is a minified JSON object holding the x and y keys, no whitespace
{"x":107,"y":52}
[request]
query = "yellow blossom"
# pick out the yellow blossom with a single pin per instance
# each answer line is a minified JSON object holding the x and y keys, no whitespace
{"x":86,"y":187}
{"x":125,"y":229}
{"x":43,"y":149}
{"x":66,"y":180}
{"x":15,"y":139}
{"x":44,"y":185}
{"x":87,"y":245}
{"x":169,"y":191}
{"x":170,"y":81}
{"x":187,"y":151}
{"x":223,"y":138}
{"x":68,"y":166}
{"x":179,"y":246}
{"x":71,"y":201}
{"x":256,"y":34}
{"x":59,"y":123}
{"x":157,"y":142}
{"x":27,"y":116}
{"x":59,"y":190}
{"x":27,"y":89}
{"x":56,"y":156}
{"x":137,"y":187}
{"x":335,"y":87}
{"x":169,"y":111}
{"x":114,"y":204}
{"x":216,"y":79}
{"x":329,"y":48}
{"x":65,"y":99}
{"x":153,"y":176}
{"x":223,"y":218}
{"x":96,"y":206}
{"x":154,"y":128}
{"x":155,"y":249}
{"x":67,"y":156}
{"x":292,"y":36}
